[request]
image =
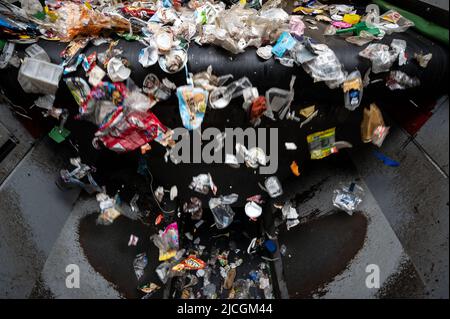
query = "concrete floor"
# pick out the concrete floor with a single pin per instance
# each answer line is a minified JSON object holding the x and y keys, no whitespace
{"x":330,"y":249}
{"x":414,"y":196}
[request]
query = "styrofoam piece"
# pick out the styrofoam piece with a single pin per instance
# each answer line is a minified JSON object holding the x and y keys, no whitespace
{"x":37,"y":76}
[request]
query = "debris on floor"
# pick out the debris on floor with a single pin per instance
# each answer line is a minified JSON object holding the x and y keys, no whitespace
{"x":205,"y":246}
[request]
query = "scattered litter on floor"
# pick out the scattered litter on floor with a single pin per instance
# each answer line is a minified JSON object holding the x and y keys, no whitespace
{"x":204,"y":250}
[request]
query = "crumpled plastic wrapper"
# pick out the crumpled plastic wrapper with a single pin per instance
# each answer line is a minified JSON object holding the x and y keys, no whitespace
{"x":348,"y":197}
{"x":325,"y":67}
{"x":193,"y":207}
{"x":240,"y":28}
{"x":392,"y":21}
{"x":221,"y":209}
{"x":290,"y":215}
{"x":167,"y":241}
{"x":423,"y":59}
{"x":202,"y":184}
{"x":399,"y":80}
{"x":108,"y":208}
{"x":139,"y":264}
{"x":399,"y":47}
{"x":381,"y":56}
{"x":362,"y":39}
{"x":76,"y":20}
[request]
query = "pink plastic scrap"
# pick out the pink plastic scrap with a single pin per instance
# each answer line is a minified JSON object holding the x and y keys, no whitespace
{"x":296,"y":26}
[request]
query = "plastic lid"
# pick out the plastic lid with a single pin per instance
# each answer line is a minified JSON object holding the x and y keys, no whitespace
{"x":253,"y":210}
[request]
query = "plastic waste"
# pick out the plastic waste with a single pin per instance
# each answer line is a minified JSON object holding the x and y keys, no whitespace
{"x":252,"y":157}
{"x":209,"y":291}
{"x":133,"y":240}
{"x":363,"y":38}
{"x":290,"y":215}
{"x":241,"y":289}
{"x":45,"y":102}
{"x":117,"y":71}
{"x":325,"y":66}
{"x":37,"y":76}
{"x":194,"y":207}
{"x":149,"y":289}
{"x":423,"y":59}
{"x":34,"y":51}
{"x":285,"y":42}
{"x":202,"y":184}
{"x":381,"y":56}
{"x":392,"y":21}
{"x":167,"y":242}
{"x":79,"y":88}
{"x":348,"y":197}
{"x":321,"y":144}
{"x":379,"y":135}
{"x":265,"y":52}
{"x":76,"y":176}
{"x":79,"y":20}
{"x":290,"y":146}
{"x":273,"y":186}
{"x":139,"y":264}
{"x":353,"y":90}
{"x":296,"y":26}
{"x":173,"y":61}
{"x":399,"y":48}
{"x":399,"y":80}
{"x":192,"y":104}
{"x":222,"y":96}
{"x":253,"y":210}
{"x":190,"y":263}
{"x":221,"y":210}
{"x":386,"y":160}
{"x":31,"y":7}
{"x":279,"y":100}
{"x":108,"y":209}
{"x":7,"y":53}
